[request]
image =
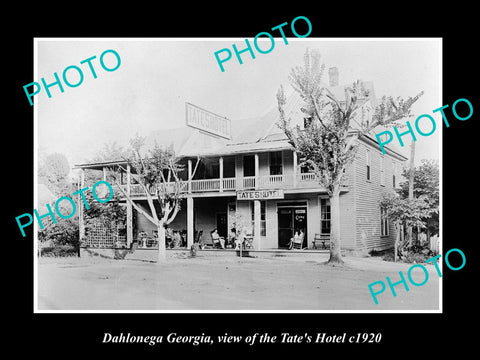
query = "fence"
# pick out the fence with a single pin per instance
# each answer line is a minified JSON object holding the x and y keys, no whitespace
{"x":102,"y":235}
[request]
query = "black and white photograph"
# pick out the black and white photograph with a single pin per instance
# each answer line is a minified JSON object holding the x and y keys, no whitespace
{"x":292,"y":181}
{"x":209,"y":180}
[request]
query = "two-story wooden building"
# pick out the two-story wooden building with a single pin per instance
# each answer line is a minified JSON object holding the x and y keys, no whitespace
{"x":249,"y":174}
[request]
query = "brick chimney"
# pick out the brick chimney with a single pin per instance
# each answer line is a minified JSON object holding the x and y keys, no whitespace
{"x":333,"y":76}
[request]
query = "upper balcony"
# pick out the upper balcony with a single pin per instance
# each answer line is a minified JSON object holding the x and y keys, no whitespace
{"x":278,"y":170}
{"x":284,"y":182}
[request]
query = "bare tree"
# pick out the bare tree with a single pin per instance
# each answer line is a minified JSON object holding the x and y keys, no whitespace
{"x":329,"y":142}
{"x":158,"y":175}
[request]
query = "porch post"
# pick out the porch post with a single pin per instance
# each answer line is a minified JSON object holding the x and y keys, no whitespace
{"x":104,"y":174}
{"x":189,"y":175}
{"x":81,"y":224}
{"x":256,"y":170}
{"x":238,"y":173}
{"x":294,"y":169}
{"x":129,"y":212}
{"x":256,"y":223}
{"x":220,"y":166}
{"x":190,"y":227}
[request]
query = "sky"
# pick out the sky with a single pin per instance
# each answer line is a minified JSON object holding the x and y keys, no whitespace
{"x":157,"y":76}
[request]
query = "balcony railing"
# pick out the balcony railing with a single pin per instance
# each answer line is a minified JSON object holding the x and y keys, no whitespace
{"x":303,"y":180}
{"x":249,"y":182}
{"x":206,"y":185}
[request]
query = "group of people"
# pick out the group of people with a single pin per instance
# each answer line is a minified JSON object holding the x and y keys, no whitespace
{"x":175,"y":238}
{"x":229,"y":242}
{"x":234,"y":240}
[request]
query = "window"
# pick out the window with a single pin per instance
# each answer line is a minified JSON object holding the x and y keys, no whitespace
{"x":394,"y":172}
{"x":382,"y":171}
{"x":384,"y":222}
{"x":249,"y":165}
{"x":368,"y":164}
{"x":276,"y":167}
{"x":263,"y":222}
{"x":325,"y":216}
{"x":215,"y":171}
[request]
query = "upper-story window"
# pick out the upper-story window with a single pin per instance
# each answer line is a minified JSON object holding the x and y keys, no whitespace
{"x":248,"y":165}
{"x":276,"y":163}
{"x":394,"y":173}
{"x":367,"y":159}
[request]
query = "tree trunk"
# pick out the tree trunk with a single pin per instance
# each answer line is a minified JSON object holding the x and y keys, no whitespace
{"x":335,"y":240}
{"x":162,"y":252}
{"x":411,"y":179}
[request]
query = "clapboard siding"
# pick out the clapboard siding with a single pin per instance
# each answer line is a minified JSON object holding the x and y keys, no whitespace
{"x":347,"y":220}
{"x":367,"y":195}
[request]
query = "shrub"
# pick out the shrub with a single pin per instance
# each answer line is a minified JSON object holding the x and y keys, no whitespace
{"x":64,"y":232}
{"x":59,"y":251}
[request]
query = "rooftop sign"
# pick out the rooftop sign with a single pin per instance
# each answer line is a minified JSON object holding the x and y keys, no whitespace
{"x":207,"y":121}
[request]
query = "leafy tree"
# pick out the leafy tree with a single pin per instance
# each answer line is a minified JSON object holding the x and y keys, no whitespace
{"x":157,"y":173}
{"x":426,"y":184}
{"x":110,"y":151}
{"x":53,"y":172}
{"x":405,"y":212}
{"x":328,"y":144}
{"x":54,"y":169}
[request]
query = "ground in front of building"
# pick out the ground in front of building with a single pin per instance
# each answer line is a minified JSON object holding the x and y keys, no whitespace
{"x":279,"y":282}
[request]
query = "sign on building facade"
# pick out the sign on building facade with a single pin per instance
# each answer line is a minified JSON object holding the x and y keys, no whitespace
{"x":260,"y":194}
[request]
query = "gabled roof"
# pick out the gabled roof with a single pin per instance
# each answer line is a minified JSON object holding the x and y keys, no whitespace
{"x":257,"y":134}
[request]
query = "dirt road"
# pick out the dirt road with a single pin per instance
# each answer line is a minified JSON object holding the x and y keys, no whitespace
{"x":227,"y":283}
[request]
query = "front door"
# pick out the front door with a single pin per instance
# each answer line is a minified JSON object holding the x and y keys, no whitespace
{"x":222,"y":224}
{"x":291,"y":220}
{"x":300,"y":223}
{"x":285,"y":227}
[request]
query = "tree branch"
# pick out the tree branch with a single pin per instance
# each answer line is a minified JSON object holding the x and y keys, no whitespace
{"x":139,"y":209}
{"x":174,"y":214}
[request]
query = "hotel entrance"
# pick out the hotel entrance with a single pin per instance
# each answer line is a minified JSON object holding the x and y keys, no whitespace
{"x":291,"y":218}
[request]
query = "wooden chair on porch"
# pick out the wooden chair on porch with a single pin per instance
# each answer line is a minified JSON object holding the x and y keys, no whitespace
{"x":217,"y":240}
{"x":298,"y":242}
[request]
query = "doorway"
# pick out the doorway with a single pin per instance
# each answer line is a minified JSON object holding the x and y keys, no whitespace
{"x":222,"y":226}
{"x":290,"y":220}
